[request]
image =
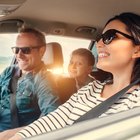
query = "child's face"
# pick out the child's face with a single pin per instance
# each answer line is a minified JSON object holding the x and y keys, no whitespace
{"x":78,"y":66}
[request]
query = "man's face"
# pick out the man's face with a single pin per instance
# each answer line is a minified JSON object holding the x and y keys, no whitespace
{"x":28,"y":62}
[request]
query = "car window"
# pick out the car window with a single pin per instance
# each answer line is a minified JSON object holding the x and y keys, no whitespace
{"x":94,"y":51}
{"x":68,"y":45}
{"x":7,"y":41}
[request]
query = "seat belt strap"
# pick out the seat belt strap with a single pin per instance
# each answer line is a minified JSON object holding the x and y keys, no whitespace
{"x":13,"y":107}
{"x":104,"y":106}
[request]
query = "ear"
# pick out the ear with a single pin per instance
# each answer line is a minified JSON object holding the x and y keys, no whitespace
{"x":42,"y":50}
{"x":89,"y":70}
{"x":136,"y":53}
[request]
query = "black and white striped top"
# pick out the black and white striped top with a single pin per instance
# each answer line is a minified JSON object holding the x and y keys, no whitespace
{"x":81,"y":102}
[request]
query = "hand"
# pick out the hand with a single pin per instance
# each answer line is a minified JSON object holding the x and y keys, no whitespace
{"x":5,"y":135}
{"x":16,"y":137}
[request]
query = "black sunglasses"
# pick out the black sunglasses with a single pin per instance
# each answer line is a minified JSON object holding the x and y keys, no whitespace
{"x":109,"y":35}
{"x":24,"y":50}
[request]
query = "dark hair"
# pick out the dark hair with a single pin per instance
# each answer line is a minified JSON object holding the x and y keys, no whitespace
{"x":85,"y":53}
{"x":38,"y":34}
{"x":132,"y":21}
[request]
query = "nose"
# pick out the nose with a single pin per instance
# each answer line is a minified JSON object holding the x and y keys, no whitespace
{"x":72,"y":66}
{"x":20,"y":53}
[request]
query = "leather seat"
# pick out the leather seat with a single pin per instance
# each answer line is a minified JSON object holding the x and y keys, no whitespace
{"x":53,"y":58}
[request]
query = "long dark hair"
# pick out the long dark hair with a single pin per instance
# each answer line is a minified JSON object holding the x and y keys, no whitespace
{"x":132,"y":21}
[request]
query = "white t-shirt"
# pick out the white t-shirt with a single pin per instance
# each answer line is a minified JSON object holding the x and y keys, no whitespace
{"x":79,"y":103}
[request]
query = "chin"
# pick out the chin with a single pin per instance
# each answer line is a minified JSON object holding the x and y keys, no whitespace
{"x":103,"y":67}
{"x":24,"y":68}
{"x":72,"y":76}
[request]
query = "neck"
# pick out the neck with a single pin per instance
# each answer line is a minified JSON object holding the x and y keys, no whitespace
{"x":82,"y":79}
{"x":121,"y":79}
{"x":122,"y":75}
{"x":34,"y":70}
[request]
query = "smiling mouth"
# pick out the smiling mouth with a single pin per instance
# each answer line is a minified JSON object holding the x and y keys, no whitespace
{"x":103,"y":54}
{"x":73,"y":72}
{"x":21,"y":61}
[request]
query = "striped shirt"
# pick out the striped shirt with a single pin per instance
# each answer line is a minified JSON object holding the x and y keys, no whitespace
{"x":81,"y":102}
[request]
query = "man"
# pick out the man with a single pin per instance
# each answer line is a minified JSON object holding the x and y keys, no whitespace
{"x":34,"y":93}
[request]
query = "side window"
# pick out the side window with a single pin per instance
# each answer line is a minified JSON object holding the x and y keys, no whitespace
{"x":94,"y":51}
{"x":68,"y":45}
{"x":6,"y":55}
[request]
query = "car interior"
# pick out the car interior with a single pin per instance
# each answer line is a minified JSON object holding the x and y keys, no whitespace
{"x":76,"y":19}
{"x":117,"y":126}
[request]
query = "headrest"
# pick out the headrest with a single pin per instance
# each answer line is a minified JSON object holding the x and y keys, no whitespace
{"x":53,"y":56}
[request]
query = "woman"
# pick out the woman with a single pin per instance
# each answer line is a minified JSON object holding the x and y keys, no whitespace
{"x":80,"y":66}
{"x":119,"y":53}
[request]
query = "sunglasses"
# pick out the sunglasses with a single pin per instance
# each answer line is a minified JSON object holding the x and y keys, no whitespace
{"x":24,"y":50}
{"x":109,"y":35}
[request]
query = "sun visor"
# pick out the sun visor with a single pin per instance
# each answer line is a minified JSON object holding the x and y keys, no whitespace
{"x":10,"y":26}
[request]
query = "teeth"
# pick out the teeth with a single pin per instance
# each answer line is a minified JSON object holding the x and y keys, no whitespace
{"x":103,"y":55}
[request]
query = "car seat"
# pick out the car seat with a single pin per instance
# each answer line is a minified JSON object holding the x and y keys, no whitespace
{"x":53,"y":58}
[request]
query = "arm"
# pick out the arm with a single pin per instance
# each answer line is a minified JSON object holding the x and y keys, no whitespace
{"x":16,"y":137}
{"x":64,"y":115}
{"x":6,"y":73}
{"x":5,"y":135}
{"x":55,"y":120}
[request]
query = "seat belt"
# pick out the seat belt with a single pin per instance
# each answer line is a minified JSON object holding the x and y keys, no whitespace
{"x":16,"y":73}
{"x":104,"y":106}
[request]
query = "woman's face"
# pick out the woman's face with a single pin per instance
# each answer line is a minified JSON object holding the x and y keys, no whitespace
{"x":119,"y":53}
{"x":78,"y":66}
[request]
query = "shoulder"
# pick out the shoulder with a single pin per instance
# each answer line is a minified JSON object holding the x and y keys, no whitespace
{"x":95,"y":84}
{"x":43,"y":73}
{"x":93,"y":87}
{"x":45,"y":78}
{"x":136,"y":93}
{"x":9,"y":70}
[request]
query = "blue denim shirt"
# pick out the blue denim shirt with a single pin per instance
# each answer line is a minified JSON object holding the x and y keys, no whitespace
{"x":34,"y":97}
